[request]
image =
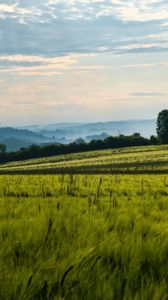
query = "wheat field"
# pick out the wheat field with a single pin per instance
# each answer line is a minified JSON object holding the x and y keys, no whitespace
{"x":83,"y":237}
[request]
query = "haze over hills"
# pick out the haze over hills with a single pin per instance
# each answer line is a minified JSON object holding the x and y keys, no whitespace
{"x":72,"y":131}
{"x":15,"y":138}
{"x":63,"y":133}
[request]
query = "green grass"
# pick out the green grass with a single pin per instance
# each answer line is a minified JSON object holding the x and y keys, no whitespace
{"x":84,"y":236}
{"x":151,"y":159}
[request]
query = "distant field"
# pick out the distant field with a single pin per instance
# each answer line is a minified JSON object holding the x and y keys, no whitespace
{"x":148,"y":159}
{"x":84,"y":237}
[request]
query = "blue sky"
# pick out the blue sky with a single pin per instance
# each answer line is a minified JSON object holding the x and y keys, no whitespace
{"x":82,"y":60}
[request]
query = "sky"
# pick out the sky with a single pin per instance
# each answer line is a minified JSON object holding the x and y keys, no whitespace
{"x":82,"y":60}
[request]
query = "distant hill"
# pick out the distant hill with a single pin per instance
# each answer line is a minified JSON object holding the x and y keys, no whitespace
{"x":64,"y":133}
{"x":72,"y":131}
{"x":102,"y":136}
{"x":14,"y":138}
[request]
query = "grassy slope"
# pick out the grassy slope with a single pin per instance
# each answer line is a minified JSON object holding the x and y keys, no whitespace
{"x":152,"y":159}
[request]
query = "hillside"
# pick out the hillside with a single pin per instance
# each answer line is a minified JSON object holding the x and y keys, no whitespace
{"x":15,"y":139}
{"x":146,"y":159}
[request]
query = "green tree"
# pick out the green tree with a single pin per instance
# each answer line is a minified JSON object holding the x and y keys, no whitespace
{"x":154,"y":140}
{"x":2,"y":148}
{"x":162,"y":126}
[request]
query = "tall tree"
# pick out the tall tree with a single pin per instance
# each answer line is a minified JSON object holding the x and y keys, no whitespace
{"x":162,"y":126}
{"x":2,"y":148}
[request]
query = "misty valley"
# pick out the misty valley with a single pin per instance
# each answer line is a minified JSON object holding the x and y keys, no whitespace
{"x":64,"y":133}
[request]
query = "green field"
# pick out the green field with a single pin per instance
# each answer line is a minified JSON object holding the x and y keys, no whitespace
{"x":82,"y":236}
{"x":151,"y":159}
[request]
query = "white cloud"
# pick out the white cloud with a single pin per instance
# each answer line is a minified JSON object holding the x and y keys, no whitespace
{"x":5,"y":8}
{"x":142,"y":10}
{"x":44,"y":66}
{"x":15,"y":11}
{"x":130,"y":10}
{"x":146,"y":65}
{"x":60,"y":26}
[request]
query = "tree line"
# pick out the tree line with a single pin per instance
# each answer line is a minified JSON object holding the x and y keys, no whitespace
{"x":113,"y":142}
{"x":36,"y":151}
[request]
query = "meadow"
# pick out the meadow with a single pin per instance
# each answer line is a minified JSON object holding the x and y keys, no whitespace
{"x":83,"y":236}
